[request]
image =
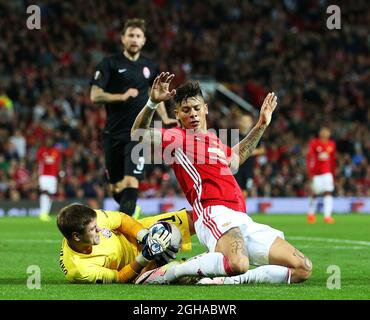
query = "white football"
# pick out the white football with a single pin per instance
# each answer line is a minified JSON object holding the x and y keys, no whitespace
{"x":175,"y":242}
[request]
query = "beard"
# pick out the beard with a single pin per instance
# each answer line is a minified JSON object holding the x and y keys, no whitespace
{"x":133,"y":50}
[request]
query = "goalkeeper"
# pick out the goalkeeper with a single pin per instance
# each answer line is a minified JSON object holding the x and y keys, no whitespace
{"x":109,"y":246}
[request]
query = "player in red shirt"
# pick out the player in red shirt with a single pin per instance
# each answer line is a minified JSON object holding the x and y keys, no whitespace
{"x":48,"y":158}
{"x":202,"y":164}
{"x":321,"y":166}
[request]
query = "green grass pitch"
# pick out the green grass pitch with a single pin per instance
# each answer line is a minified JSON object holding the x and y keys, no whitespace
{"x":26,"y":241}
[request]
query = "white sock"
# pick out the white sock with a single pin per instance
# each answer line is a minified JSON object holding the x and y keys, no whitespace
{"x":207,"y":265}
{"x":328,"y":206}
{"x":263,"y":274}
{"x":312,"y":204}
{"x":45,"y":204}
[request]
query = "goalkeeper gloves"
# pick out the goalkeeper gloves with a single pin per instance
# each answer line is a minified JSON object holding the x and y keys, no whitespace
{"x":155,"y":244}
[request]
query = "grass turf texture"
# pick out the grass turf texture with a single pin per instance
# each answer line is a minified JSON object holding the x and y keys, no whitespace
{"x":27,"y":241}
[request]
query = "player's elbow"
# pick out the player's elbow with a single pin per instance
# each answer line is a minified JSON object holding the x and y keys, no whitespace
{"x":93,"y":96}
{"x":134,"y":133}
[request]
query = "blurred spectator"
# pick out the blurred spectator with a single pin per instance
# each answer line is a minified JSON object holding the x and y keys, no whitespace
{"x":19,"y":142}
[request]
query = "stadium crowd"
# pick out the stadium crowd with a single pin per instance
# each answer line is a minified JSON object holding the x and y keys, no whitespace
{"x":321,"y":76}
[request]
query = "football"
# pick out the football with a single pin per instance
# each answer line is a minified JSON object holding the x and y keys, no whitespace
{"x":175,"y":242}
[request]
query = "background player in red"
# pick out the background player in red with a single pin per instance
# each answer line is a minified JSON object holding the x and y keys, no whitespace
{"x":201,"y":163}
{"x":321,"y":165}
{"x":48,"y":158}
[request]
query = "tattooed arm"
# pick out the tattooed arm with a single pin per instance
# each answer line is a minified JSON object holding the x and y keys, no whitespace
{"x":244,"y":148}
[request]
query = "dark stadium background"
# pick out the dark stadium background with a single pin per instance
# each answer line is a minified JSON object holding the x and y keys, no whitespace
{"x":321,"y":77}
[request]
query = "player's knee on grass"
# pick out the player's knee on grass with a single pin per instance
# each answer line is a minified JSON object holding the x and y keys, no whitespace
{"x":237,"y":264}
{"x":232,"y":246}
{"x":302,"y":270}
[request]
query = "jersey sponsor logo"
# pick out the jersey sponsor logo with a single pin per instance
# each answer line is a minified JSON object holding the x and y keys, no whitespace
{"x":122,"y":70}
{"x":323,"y":156}
{"x":106,"y":233}
{"x":97,"y":75}
{"x":146,"y":72}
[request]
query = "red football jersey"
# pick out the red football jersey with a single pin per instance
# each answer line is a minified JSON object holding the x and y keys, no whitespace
{"x":321,"y":157}
{"x":200,"y":162}
{"x":49,"y":161}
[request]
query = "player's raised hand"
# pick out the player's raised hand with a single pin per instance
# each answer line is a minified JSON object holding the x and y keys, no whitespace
{"x":160,"y":88}
{"x":268,"y":107}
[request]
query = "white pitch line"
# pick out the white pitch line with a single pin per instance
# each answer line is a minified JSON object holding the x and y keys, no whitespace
{"x":332,"y":247}
{"x":318,"y":239}
{"x":358,"y":242}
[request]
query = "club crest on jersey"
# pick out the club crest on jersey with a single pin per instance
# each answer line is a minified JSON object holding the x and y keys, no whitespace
{"x":146,"y":72}
{"x":106,"y":233}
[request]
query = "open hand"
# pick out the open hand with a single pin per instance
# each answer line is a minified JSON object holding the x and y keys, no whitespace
{"x":268,"y":107}
{"x":160,"y":88}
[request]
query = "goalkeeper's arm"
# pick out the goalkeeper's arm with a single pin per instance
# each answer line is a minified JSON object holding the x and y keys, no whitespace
{"x":132,"y":229}
{"x":129,"y":272}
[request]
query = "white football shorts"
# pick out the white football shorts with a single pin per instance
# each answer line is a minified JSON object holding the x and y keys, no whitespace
{"x":216,"y":220}
{"x":48,"y":183}
{"x":323,"y":183}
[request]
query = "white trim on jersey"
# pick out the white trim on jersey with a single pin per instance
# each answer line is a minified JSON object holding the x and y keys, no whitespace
{"x":195,"y":176}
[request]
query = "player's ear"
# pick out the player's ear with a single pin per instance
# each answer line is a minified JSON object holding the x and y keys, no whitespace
{"x":206,"y":108}
{"x":123,"y":39}
{"x":76,"y":236}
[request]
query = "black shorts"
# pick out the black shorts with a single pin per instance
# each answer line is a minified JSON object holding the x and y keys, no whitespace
{"x":120,"y":161}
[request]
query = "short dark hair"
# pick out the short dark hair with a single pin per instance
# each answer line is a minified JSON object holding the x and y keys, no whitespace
{"x":188,"y":90}
{"x":74,"y":218}
{"x":134,"y":23}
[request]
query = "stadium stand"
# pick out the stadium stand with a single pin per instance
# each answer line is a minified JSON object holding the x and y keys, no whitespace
{"x":320,"y":75}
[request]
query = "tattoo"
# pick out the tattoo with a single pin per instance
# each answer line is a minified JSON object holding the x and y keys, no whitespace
{"x":142,"y":121}
{"x":237,"y":244}
{"x":146,"y":118}
{"x":249,"y":143}
{"x":307,"y":263}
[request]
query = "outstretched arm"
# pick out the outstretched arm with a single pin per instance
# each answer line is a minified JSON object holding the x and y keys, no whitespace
{"x":158,"y":93}
{"x":245,"y":148}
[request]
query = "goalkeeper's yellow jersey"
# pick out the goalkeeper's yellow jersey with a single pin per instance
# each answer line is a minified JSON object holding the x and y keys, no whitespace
{"x":114,"y":250}
{"x":101,"y":265}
